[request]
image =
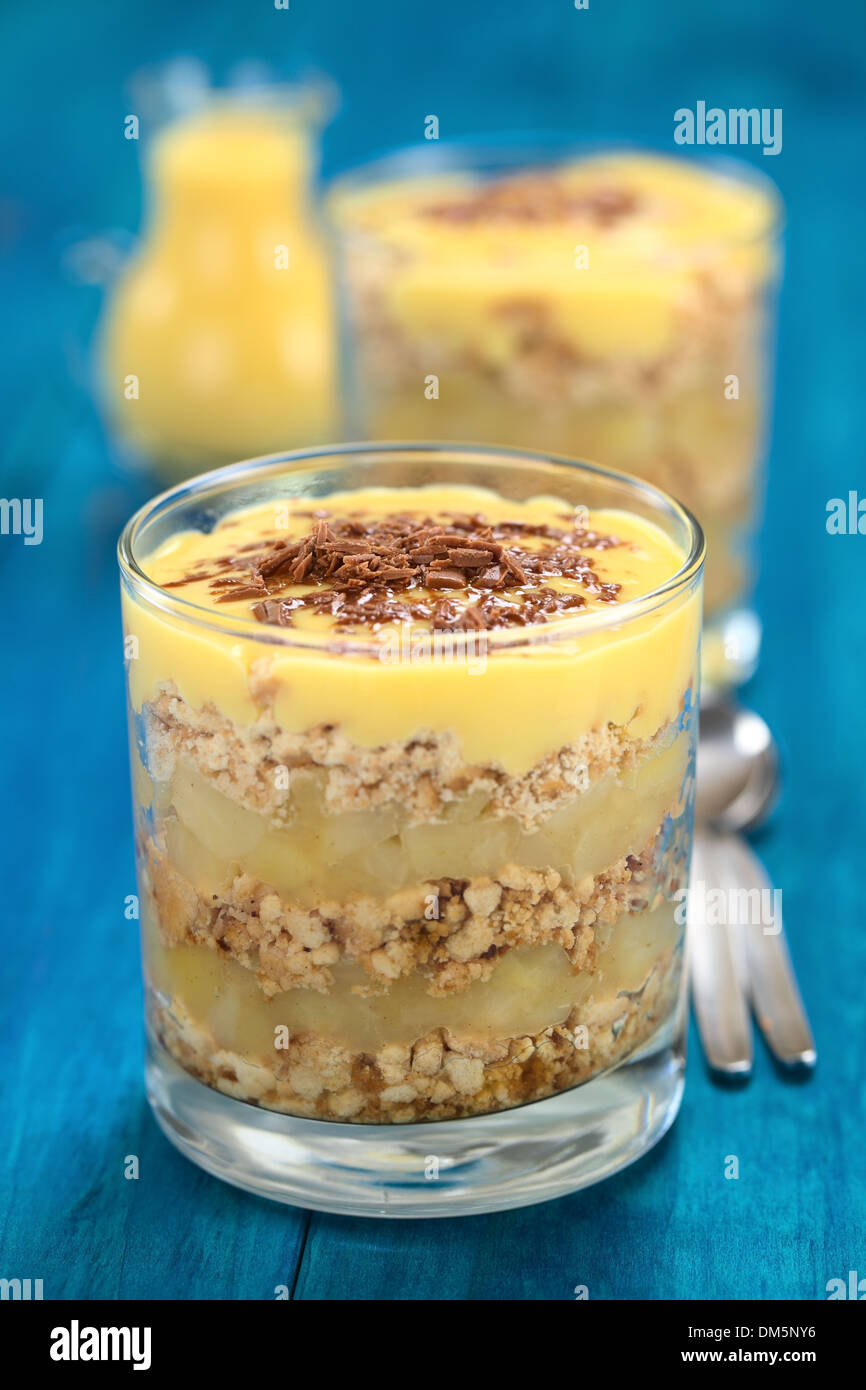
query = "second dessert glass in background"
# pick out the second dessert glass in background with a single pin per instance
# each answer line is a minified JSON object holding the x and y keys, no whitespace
{"x":615,"y":306}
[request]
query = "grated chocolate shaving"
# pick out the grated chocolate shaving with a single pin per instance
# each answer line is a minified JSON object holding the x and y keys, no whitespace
{"x":465,"y":573}
{"x":535,"y":198}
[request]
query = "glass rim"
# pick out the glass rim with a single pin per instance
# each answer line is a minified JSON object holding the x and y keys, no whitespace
{"x":561,"y":629}
{"x":550,"y":148}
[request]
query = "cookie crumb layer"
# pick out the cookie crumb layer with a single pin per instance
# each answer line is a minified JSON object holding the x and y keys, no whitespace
{"x":427,"y":776}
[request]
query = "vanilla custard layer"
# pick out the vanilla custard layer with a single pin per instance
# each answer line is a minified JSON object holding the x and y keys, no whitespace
{"x":532,"y":989}
{"x":210,"y":839}
{"x":612,"y":287}
{"x":511,"y":709}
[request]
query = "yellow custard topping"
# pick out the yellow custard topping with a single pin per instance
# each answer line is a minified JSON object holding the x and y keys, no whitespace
{"x":609,"y":248}
{"x":510,"y":696}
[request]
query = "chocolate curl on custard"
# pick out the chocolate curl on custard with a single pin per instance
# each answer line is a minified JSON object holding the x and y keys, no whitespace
{"x":359,"y":571}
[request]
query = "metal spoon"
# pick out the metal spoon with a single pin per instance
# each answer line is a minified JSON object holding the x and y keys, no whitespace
{"x":738,"y":768}
{"x":739,"y":962}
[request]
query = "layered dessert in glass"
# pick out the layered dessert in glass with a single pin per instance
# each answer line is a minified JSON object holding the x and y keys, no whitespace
{"x":412,"y":740}
{"x":615,"y":306}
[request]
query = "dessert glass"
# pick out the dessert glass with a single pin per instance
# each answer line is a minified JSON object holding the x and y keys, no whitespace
{"x":411,"y":913}
{"x":601,"y":304}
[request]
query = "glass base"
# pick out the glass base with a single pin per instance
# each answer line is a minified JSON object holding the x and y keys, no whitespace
{"x":730,"y":647}
{"x":452,"y":1168}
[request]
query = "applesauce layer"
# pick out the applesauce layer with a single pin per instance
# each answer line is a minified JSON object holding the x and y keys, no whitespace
{"x":561,"y":574}
{"x":536,"y":1028}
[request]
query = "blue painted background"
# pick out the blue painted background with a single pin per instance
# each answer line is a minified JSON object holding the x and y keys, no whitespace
{"x":70,"y":1066}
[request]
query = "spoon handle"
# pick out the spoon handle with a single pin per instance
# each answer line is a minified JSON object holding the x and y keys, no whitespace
{"x":717,"y":992}
{"x":772,"y":984}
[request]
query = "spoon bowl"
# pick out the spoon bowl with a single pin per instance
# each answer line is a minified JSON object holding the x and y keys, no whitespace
{"x":737,"y":768}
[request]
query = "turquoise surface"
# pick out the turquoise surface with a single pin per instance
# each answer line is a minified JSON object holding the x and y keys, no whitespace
{"x":71,"y":1054}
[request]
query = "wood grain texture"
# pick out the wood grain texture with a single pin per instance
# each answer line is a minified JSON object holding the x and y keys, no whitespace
{"x":70,"y":1055}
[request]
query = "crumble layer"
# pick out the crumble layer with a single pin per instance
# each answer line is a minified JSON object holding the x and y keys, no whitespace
{"x":426,"y":776}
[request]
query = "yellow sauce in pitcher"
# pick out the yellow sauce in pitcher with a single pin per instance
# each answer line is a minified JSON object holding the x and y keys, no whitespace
{"x":218,"y":342}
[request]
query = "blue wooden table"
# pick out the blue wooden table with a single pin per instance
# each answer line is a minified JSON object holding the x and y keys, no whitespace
{"x":71,"y":1061}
